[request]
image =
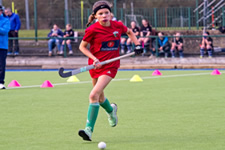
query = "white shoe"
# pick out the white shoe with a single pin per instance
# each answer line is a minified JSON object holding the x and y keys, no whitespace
{"x":2,"y":86}
{"x":70,"y":52}
{"x":112,"y":117}
{"x":50,"y":54}
{"x":128,"y":52}
{"x":151,"y":56}
{"x":60,"y":52}
{"x":85,"y":134}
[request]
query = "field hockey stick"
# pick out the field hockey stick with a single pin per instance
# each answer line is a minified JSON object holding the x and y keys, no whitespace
{"x":89,"y":67}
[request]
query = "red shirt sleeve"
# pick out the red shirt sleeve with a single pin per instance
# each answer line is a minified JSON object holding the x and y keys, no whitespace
{"x":88,"y":35}
{"x":123,"y":27}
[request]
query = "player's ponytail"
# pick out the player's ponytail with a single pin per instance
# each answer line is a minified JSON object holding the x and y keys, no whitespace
{"x":91,"y":18}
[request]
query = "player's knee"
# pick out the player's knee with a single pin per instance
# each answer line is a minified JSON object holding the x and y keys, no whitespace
{"x":68,"y":42}
{"x":57,"y":42}
{"x":146,"y":41}
{"x":208,"y":47}
{"x":94,"y":97}
{"x":128,"y":42}
{"x":123,"y":40}
{"x":173,"y":45}
{"x":180,"y":48}
{"x":202,"y":47}
{"x":50,"y":41}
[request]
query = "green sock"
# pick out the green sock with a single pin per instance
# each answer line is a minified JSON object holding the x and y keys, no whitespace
{"x":92,"y":115}
{"x":107,"y":106}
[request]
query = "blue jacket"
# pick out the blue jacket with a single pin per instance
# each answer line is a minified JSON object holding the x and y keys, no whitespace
{"x":59,"y":32}
{"x":4,"y":29}
{"x":162,"y":43}
{"x":14,"y":22}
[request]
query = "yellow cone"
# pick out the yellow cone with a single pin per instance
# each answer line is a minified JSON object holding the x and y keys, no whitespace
{"x":136,"y":78}
{"x":73,"y":79}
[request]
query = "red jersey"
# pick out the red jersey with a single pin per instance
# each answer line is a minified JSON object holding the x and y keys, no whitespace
{"x":104,"y":42}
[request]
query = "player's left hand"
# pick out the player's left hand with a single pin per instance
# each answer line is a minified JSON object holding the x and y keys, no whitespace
{"x":138,"y":49}
{"x":97,"y":64}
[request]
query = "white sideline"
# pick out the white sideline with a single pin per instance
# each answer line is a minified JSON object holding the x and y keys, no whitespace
{"x":123,"y":79}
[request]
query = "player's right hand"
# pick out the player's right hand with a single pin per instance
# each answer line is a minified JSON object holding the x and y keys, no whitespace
{"x":97,"y":64}
{"x":138,"y":49}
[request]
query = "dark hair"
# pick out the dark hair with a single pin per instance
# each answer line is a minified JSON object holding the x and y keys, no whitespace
{"x":69,"y":25}
{"x":1,"y":8}
{"x":101,"y":7}
{"x":207,"y":33}
{"x":161,"y":33}
{"x":97,"y":4}
{"x":8,"y":9}
{"x":133,"y":21}
{"x":147,"y":22}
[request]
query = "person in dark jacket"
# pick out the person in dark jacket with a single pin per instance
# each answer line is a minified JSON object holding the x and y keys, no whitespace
{"x":222,"y":29}
{"x":177,"y":45}
{"x":162,"y":44}
{"x":136,"y":31}
{"x":69,"y":33}
{"x":4,"y":29}
{"x":14,"y":31}
{"x":206,"y":44}
{"x":145,"y":32}
{"x":55,"y":36}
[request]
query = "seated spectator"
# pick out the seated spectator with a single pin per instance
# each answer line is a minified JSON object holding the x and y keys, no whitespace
{"x":113,"y":18}
{"x":222,"y":29}
{"x":162,"y":43}
{"x":136,"y":31}
{"x":55,"y":36}
{"x":207,"y":44}
{"x":177,"y":44}
{"x":123,"y":40}
{"x":68,"y":33}
{"x":145,"y":31}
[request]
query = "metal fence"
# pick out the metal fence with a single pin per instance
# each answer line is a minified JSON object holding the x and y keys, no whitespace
{"x":182,"y":18}
{"x":29,"y":46}
{"x":42,"y":14}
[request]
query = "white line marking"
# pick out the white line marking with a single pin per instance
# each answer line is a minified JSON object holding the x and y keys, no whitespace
{"x":123,"y":79}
